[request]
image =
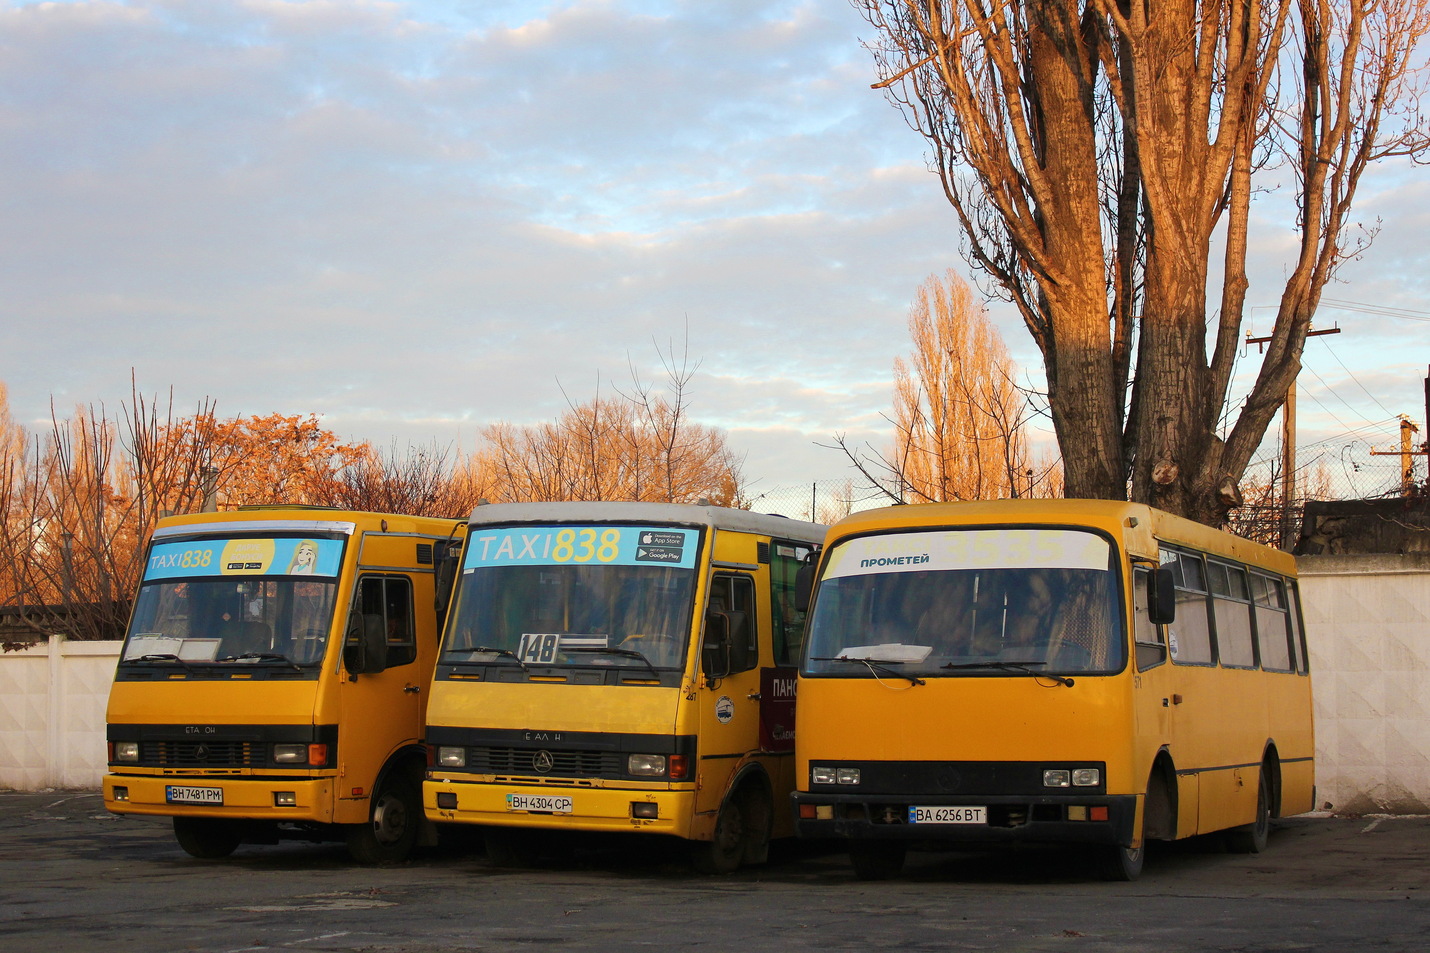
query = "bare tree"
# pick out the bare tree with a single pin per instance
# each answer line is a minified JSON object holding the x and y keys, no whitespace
{"x":417,"y":482}
{"x":639,"y":445}
{"x":1096,"y":152}
{"x":959,"y":419}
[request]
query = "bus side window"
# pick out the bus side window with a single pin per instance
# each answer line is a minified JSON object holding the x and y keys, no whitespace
{"x":1146,"y":636}
{"x":1231,"y":608}
{"x":389,"y":598}
{"x":1298,"y":631}
{"x":1190,"y":638}
{"x":787,"y":620}
{"x":1273,"y":623}
{"x":733,"y":599}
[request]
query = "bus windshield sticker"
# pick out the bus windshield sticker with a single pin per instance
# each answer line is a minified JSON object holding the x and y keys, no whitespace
{"x":248,"y":556}
{"x":545,"y":648}
{"x":601,"y":545}
{"x":968,"y":549}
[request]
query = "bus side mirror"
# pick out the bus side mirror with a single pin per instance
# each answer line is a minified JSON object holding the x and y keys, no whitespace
{"x":1161,"y":596}
{"x":804,"y":584}
{"x":365,"y":648}
{"x":447,"y":555}
{"x":715,"y":650}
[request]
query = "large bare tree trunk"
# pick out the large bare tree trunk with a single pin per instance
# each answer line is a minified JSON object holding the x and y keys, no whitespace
{"x":1095,"y":151}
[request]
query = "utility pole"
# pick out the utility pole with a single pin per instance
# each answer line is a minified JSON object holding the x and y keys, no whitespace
{"x":1288,"y":445}
{"x":1406,"y":453}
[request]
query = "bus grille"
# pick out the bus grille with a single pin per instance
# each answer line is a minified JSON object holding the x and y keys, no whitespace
{"x":566,"y":764}
{"x":205,"y":754}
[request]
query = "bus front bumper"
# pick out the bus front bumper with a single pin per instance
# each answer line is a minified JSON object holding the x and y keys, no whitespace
{"x":559,"y":808}
{"x":268,"y":799}
{"x":1102,"y":819}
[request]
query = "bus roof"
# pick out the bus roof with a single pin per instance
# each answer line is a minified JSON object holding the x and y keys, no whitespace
{"x":720,"y":517}
{"x":1139,"y":526}
{"x":299,"y":519}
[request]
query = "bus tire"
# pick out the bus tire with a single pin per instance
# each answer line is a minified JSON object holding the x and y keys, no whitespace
{"x":1251,"y":838}
{"x":1121,"y":864}
{"x":877,"y":859}
{"x":724,"y":851}
{"x":207,"y":838}
{"x":390,"y":834}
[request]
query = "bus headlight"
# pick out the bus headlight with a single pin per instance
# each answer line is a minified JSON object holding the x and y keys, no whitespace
{"x":126,"y":751}
{"x":1072,"y":778}
{"x":646,"y":765}
{"x":290,"y":754}
{"x":831,"y":775}
{"x":452,"y":756}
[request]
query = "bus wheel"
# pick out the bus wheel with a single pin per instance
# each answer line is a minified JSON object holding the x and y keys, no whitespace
{"x":1251,"y":838}
{"x":877,"y":859}
{"x":1122,"y":864}
{"x":390,"y":834}
{"x":207,"y":838}
{"x":722,"y":853}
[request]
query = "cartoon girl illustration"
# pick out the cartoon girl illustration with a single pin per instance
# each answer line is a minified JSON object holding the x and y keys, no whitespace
{"x":305,"y":558}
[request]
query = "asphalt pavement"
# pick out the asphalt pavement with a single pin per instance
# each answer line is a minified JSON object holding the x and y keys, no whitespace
{"x":76,"y":878}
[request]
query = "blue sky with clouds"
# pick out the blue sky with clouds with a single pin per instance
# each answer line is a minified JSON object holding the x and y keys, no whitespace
{"x":416,"y":218}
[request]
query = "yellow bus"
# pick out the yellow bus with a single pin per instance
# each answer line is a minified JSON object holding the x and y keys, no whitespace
{"x":620,"y":667}
{"x":1084,"y":672}
{"x":273,"y":681}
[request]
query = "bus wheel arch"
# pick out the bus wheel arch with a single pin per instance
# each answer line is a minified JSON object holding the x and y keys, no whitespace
{"x":395,"y":816}
{"x":1252,"y":838}
{"x":1159,"y":808}
{"x":742,"y":826}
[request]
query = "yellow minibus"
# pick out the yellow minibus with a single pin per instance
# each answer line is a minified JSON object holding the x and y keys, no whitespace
{"x":1060,"y":671}
{"x":273,"y":682}
{"x":620,"y":667}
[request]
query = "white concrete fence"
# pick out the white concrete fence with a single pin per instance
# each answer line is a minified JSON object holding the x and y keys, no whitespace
{"x":1367,"y":624}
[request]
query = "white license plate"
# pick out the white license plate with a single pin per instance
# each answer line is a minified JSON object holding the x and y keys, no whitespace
{"x":180,"y":794}
{"x":948,"y":815}
{"x":538,"y":803}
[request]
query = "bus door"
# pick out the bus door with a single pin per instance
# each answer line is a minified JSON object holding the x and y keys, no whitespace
{"x":730,"y":686}
{"x":382,"y":696}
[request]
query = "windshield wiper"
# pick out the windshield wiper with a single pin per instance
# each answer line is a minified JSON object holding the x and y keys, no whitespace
{"x":1025,"y":668}
{"x":875,"y":665}
{"x":161,"y":657}
{"x":604,"y":650}
{"x":505,"y":653}
{"x":263,"y":657}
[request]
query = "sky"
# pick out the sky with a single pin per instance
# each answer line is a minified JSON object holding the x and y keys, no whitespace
{"x":418,"y":218}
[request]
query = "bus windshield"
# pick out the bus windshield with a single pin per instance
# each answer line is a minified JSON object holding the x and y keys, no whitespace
{"x":232,"y":620}
{"x":967,"y":603}
{"x":235,"y":599}
{"x":573,"y":615}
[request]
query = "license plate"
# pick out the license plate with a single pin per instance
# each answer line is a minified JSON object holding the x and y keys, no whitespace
{"x":180,"y":794}
{"x":948,"y":815}
{"x":538,"y":803}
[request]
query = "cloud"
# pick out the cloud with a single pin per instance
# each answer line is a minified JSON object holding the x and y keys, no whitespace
{"x":418,"y":218}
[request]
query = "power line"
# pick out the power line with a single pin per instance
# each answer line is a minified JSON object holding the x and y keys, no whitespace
{"x":1407,"y":314}
{"x":1352,"y":376}
{"x":1348,"y":428}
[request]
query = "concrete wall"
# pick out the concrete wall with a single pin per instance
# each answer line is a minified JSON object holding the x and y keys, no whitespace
{"x":1367,"y":626}
{"x":1368,"y":631}
{"x":52,"y":699}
